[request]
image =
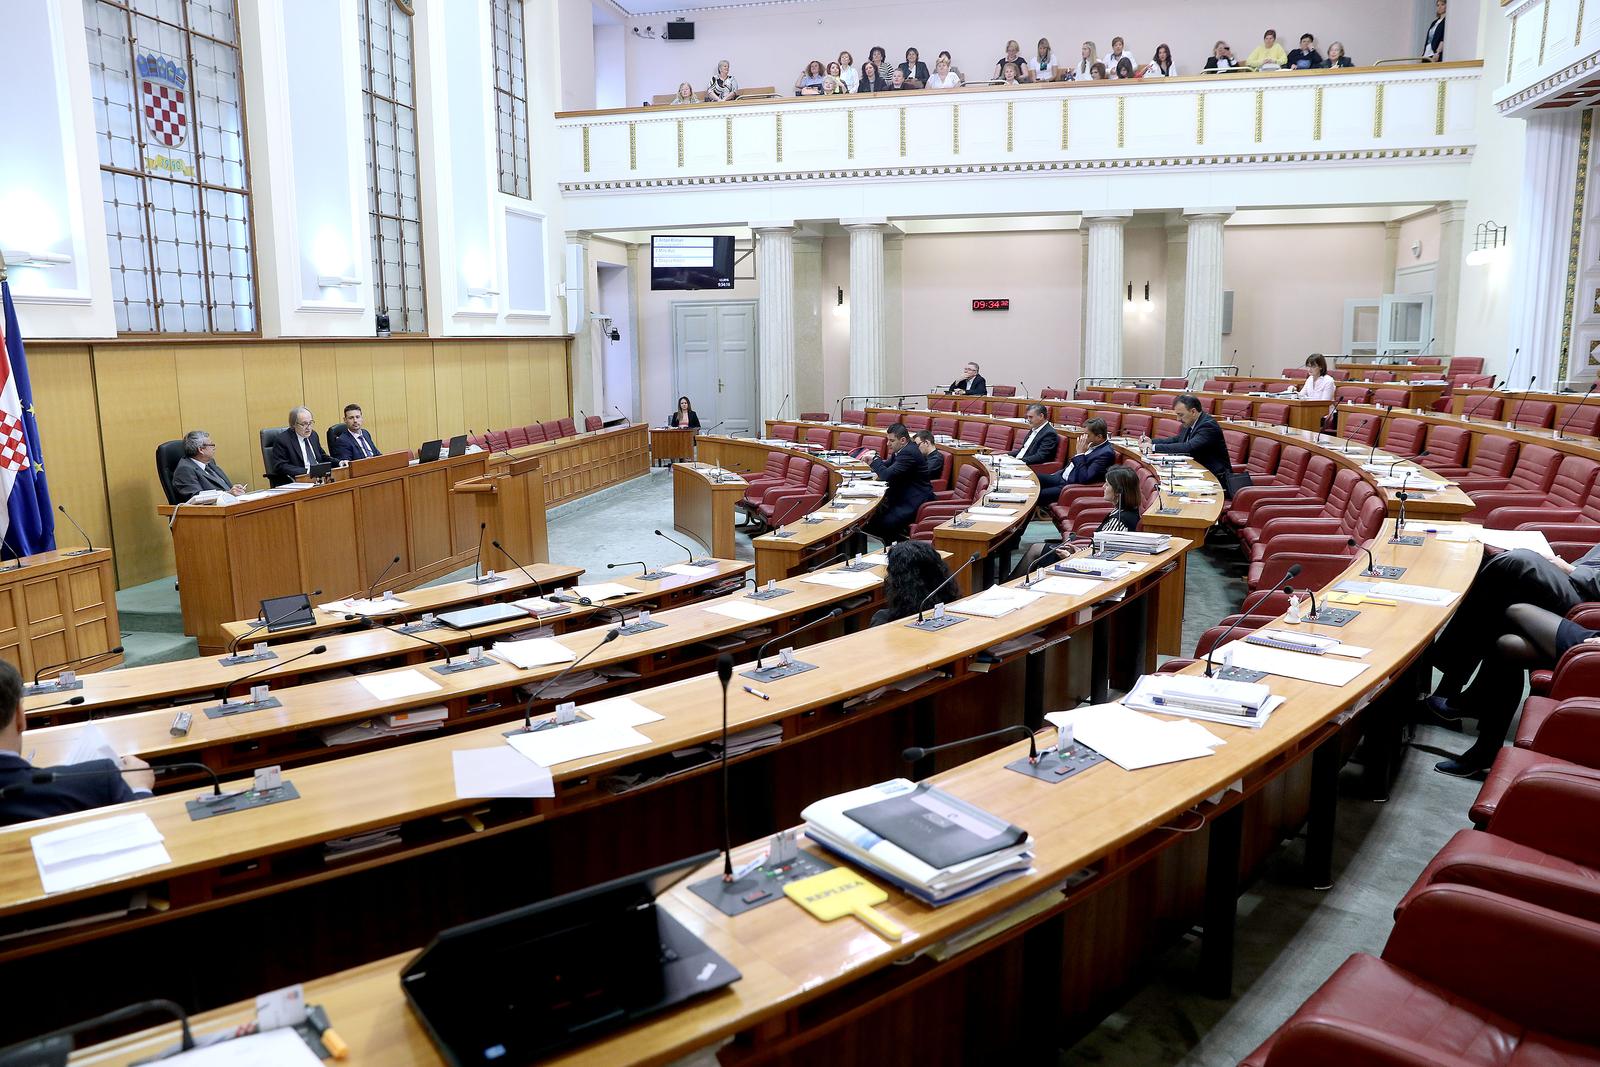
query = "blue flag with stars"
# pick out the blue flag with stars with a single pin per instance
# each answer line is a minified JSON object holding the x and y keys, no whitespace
{"x":29,"y":521}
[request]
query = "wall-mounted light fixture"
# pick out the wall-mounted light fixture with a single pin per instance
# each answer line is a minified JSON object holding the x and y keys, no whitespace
{"x":1487,"y":241}
{"x":1147,"y":292}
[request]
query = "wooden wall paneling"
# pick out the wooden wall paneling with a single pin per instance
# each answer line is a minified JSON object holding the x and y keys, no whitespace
{"x":387,"y":409}
{"x":353,"y":372}
{"x":11,"y":633}
{"x":319,"y":372}
{"x":137,"y":389}
{"x":422,"y":412}
{"x":431,"y":525}
{"x":69,"y":429}
{"x":378,"y":505}
{"x":551,"y":399}
{"x":519,"y":386}
{"x":211,"y":397}
{"x":560,"y":388}
{"x":447,"y":389}
{"x":272,"y":385}
{"x":91,"y":595}
{"x":329,"y":523}
{"x":497,"y":385}
{"x":474,"y":387}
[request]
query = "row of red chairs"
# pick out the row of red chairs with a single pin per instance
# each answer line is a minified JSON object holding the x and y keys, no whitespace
{"x":532,"y":434}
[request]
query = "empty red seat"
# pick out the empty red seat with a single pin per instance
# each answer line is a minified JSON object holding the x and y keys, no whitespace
{"x":784,"y":431}
{"x":1123,"y":396}
{"x":885,"y":418}
{"x":1094,"y":396}
{"x":1174,"y":383}
{"x":1389,"y":398}
{"x":943,"y":427}
{"x":788,"y":503}
{"x":1262,"y":459}
{"x":1536,"y":467}
{"x":1273,"y":411}
{"x":1563,"y":501}
{"x":1248,"y":385}
{"x":1339,"y":375}
{"x":1532,"y":412}
{"x":855,"y":416}
{"x":1113,"y":420}
{"x":1380,"y":376}
{"x":498,"y":440}
{"x":1236,"y":409}
{"x":1052,"y":394}
{"x":551,"y":428}
{"x":917,"y":422}
{"x":818,"y":435}
{"x":1447,"y":448}
{"x":1352,"y":394}
{"x":1493,"y":458}
{"x":942,"y":403}
{"x":973,"y":406}
{"x":1579,"y":419}
{"x":847,"y":440}
{"x":997,"y":438}
{"x":1297,"y":373}
{"x":972,"y":431}
{"x":1070,"y":415}
{"x":1405,"y":436}
{"x":1462,"y":364}
{"x":1166,"y":426}
{"x":1208,"y":404}
{"x":568,"y":428}
{"x":516,"y":437}
{"x":1136,"y":424}
{"x":1214,"y":385}
{"x":1425,"y":361}
{"x":1003,"y":390}
{"x":1481,"y":407}
{"x":813,"y":416}
{"x":1003,"y":411}
{"x":772,"y":473}
{"x":592,"y":423}
{"x":1238,"y":443}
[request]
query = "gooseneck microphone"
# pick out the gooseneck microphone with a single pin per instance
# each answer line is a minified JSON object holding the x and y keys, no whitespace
{"x":538,"y":590}
{"x":1372,"y":457}
{"x":680,"y":544}
{"x":69,"y":703}
{"x":86,"y":659}
{"x":781,"y":405}
{"x":629,"y":563}
{"x":394,"y":628}
{"x":42,"y":776}
{"x":1505,"y":386}
{"x":1517,"y":413}
{"x":527,"y":709}
{"x":1372,"y":564}
{"x":54,"y":1046}
{"x":1292,"y":573}
{"x":1561,"y":434}
{"x":477,"y":562}
{"x":762,"y":651}
{"x":5,"y":545}
{"x":953,"y":575}
{"x":912,"y":755}
{"x":725,"y":675}
{"x":233,"y":646}
{"x":87,"y":541}
{"x":381,"y":575}
{"x":317,"y":651}
{"x":506,"y":452}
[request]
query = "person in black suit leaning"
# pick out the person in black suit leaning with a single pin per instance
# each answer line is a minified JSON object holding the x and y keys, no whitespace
{"x":295,"y":449}
{"x":1200,"y":440}
{"x":971,"y":384}
{"x":93,"y":784}
{"x":1041,"y":443}
{"x":198,"y":470}
{"x":356,"y":442}
{"x":1088,"y":467}
{"x":906,"y":471}
{"x":924,"y":442}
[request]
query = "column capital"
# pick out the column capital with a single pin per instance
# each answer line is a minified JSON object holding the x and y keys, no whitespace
{"x":579,"y":237}
{"x":1194,"y":214}
{"x":774,"y":226}
{"x":1109,"y":217}
{"x":1452,"y":211}
{"x":869,"y":223}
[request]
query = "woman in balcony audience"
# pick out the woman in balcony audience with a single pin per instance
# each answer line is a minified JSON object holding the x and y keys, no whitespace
{"x":1336,"y":56}
{"x":848,"y":74}
{"x":1433,"y":43}
{"x":837,"y":72}
{"x":1119,"y":49}
{"x":1013,"y":55}
{"x":879,"y":58}
{"x":831,"y":86}
{"x":1097,"y":72}
{"x":1161,"y":66}
{"x":1306,"y":57}
{"x":914,"y":70}
{"x":1269,"y":53}
{"x":810,"y":81}
{"x":915,"y":569}
{"x":871,"y":80}
{"x":1124,"y":70}
{"x":1318,"y":386}
{"x":1222,"y":57}
{"x":1044,"y":62}
{"x":1010,"y":74}
{"x":1086,"y":60}
{"x":943,"y":76}
{"x":724,"y":86}
{"x":685,"y":94}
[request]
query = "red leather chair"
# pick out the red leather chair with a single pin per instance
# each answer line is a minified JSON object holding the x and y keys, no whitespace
{"x":818,"y":435}
{"x":1467,"y":977}
{"x":813,"y":416}
{"x":1003,"y":411}
{"x":1213,"y":385}
{"x":970,"y":407}
{"x":1462,"y":364}
{"x":1052,"y":394}
{"x":1059,"y":460}
{"x":943,"y":427}
{"x":972,"y":431}
{"x":1262,"y":459}
{"x":1299,"y":374}
{"x":942,"y":403}
{"x":1135,"y":424}
{"x":1493,"y":459}
{"x":971,"y":483}
{"x":1249,"y":385}
{"x":784,"y":431}
{"x":1532,"y":412}
{"x":592,"y":423}
{"x":885,"y":419}
{"x":1535,"y":469}
{"x":1167,"y":426}
{"x":1447,"y":448}
{"x":1352,"y":394}
{"x":997,"y":438}
{"x":552,"y":429}
{"x":1174,"y":383}
{"x":774,"y":471}
{"x":498,"y":440}
{"x":942,"y":482}
{"x":479,"y":440}
{"x":786,"y":504}
{"x":847,"y":440}
{"x":917,"y":422}
{"x":1390,"y":398}
{"x":1274,"y":412}
{"x":568,"y":428}
{"x":857,"y":417}
{"x":1380,"y":376}
{"x":877,"y":442}
{"x":1236,"y":409}
{"x":1310,"y":489}
{"x":1579,"y":419}
{"x":1339,"y":375}
{"x":1405,"y":436}
{"x":1321,"y":556}
{"x":1481,"y":407}
{"x":1003,"y":390}
{"x":1284,"y":480}
{"x":1567,"y":728}
{"x":1321,"y":513}
{"x":1113,"y":420}
{"x":518,"y":436}
{"x":1124,"y":396}
{"x":1238,"y":443}
{"x":1094,"y":396}
{"x":1208,"y":404}
{"x":795,"y":470}
{"x":1070,"y":415}
{"x":1563,"y":501}
{"x":1362,"y":427}
{"x":1425,"y":361}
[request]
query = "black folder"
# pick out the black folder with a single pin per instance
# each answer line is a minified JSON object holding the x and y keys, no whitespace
{"x":937,"y":828}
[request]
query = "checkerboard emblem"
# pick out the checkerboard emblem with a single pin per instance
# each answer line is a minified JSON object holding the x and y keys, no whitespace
{"x":164,"y":99}
{"x":13,"y":443}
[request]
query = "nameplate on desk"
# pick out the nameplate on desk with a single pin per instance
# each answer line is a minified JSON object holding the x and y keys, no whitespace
{"x":423,"y":626}
{"x":1406,"y":539}
{"x":777,"y":671}
{"x":259,"y":656}
{"x":643,"y":627}
{"x":48,"y":688}
{"x":223,"y":710}
{"x":457,"y":666}
{"x":768,"y":594}
{"x":206,"y":805}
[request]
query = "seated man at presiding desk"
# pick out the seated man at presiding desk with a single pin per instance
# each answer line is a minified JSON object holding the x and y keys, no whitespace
{"x":1200,"y":439}
{"x":1088,"y":467}
{"x":356,"y":442}
{"x":198,"y":470}
{"x":80,"y":786}
{"x":971,"y":383}
{"x":296,"y":449}
{"x":906,"y":471}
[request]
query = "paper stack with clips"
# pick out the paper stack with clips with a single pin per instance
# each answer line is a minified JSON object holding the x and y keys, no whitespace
{"x":1132,"y":541}
{"x":1211,"y":699}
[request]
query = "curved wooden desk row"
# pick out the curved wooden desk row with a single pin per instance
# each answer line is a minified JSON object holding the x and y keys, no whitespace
{"x":413,"y":786}
{"x":1304,"y":414}
{"x":1416,"y":396}
{"x":1574,"y":444}
{"x":1510,"y":398}
{"x":159,"y":684}
{"x":813,"y":989}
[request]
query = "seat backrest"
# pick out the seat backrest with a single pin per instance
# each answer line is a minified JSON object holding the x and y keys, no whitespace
{"x":1264,"y":454}
{"x":1363,"y":428}
{"x":1292,"y":464}
{"x":1447,"y":445}
{"x":878,"y":444}
{"x":1425,"y":361}
{"x":1274,"y":412}
{"x":1238,"y":443}
{"x":784,"y":431}
{"x":1113,"y":421}
{"x":1174,"y":383}
{"x":1536,"y":468}
{"x":1494,"y":457}
{"x":777,"y":463}
{"x":1481,"y":407}
{"x":817,"y":480}
{"x":498,"y":440}
{"x":1297,"y":373}
{"x":1339,"y":493}
{"x":1212,"y":385}
{"x":1380,"y":375}
{"x":1579,"y":418}
{"x":818,"y":435}
{"x":1352,"y":394}
{"x":1248,"y":385}
{"x":1123,"y":396}
{"x":942,"y":403}
{"x":1574,"y":478}
{"x":1166,"y":426}
{"x":1532,"y":412}
{"x":943,"y":479}
{"x":1339,"y":375}
{"x":1319,"y":476}
{"x":1208,"y":404}
{"x":854,"y":416}
{"x":1052,"y":394}
{"x":997,"y":437}
{"x":1094,"y":396}
{"x":168,"y":455}
{"x":552,"y":429}
{"x":847,"y":439}
{"x":1003,"y":390}
{"x":568,"y":427}
{"x":1370,"y":514}
{"x":1070,"y":415}
{"x":973,"y":406}
{"x":517,"y":436}
{"x":917,"y":422}
{"x":967,"y":478}
{"x":1405,"y":436}
{"x":1136,"y":424}
{"x":1469,"y":364}
{"x":1003,"y":411}
{"x":813,"y":416}
{"x":884,"y":418}
{"x":799,"y":470}
{"x":267,"y":436}
{"x":1389,"y":398}
{"x":592,"y":423}
{"x":972,"y":431}
{"x":944,"y":427}
{"x":1236,"y":409}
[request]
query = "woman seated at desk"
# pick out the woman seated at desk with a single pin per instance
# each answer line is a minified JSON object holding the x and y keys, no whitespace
{"x":684,"y":418}
{"x":1318,"y":386}
{"x":915,"y":569}
{"x":1121,"y":492}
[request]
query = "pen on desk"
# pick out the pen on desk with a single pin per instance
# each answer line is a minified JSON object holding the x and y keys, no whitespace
{"x":756,"y":693}
{"x":317,"y":1016}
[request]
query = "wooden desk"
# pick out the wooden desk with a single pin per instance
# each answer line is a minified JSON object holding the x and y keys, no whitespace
{"x":1401,"y":371}
{"x":1511,"y":398}
{"x":1416,"y":396}
{"x":671,"y":445}
{"x":835,"y":993}
{"x":337,"y":538}
{"x":986,"y":536}
{"x":702,"y":506}
{"x":584,"y":463}
{"x":59,"y":608}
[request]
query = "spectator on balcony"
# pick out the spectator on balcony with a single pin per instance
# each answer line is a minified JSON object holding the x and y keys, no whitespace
{"x":943,"y":76}
{"x":1161,"y":66}
{"x":1336,"y":56}
{"x":1269,"y":54}
{"x":810,"y":81}
{"x":898,"y":81}
{"x":1014,"y":56}
{"x":1306,"y":57}
{"x":685,"y":94}
{"x":871,"y":80}
{"x":724,"y":86}
{"x":1115,"y":56}
{"x":1044,"y":63}
{"x":879,"y":57}
{"x":831,"y":86}
{"x":848,"y":74}
{"x":1433,"y":43}
{"x":914,"y":70}
{"x":1086,"y":61}
{"x":1097,"y":72}
{"x":1222,"y":58}
{"x":1124,"y":71}
{"x":838,"y":73}
{"x":1010,"y":73}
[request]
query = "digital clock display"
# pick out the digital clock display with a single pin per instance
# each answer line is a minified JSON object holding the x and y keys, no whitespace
{"x":999,"y":304}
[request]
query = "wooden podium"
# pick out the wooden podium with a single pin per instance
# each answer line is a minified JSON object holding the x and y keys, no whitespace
{"x":509,"y":502}
{"x":59,"y":607}
{"x":669,"y":444}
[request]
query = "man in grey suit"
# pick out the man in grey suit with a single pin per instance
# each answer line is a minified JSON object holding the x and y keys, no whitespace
{"x":198,"y":471}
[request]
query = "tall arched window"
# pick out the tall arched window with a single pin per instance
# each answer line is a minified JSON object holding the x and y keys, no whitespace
{"x":174,"y":177}
{"x":510,"y":99}
{"x":388,"y":90}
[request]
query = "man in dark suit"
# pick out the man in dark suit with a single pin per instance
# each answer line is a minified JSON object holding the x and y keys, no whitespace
{"x":924,"y":442}
{"x":81,"y":786}
{"x":1200,"y":440}
{"x":1086,"y":468}
{"x":295,"y":450}
{"x":198,"y":471}
{"x":906,"y":471}
{"x":971,"y":383}
{"x":356,"y":442}
{"x":1041,"y":443}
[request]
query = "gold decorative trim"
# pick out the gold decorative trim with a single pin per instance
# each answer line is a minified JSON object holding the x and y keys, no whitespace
{"x":780,"y":138}
{"x":850,"y":133}
{"x":1011,"y":125}
{"x":1438,"y":111}
{"x":1122,"y":121}
{"x":586,"y":149}
{"x":1577,"y":31}
{"x":633,"y":147}
{"x":1199,"y":119}
{"x":955,"y":129}
{"x":1511,"y":52}
{"x":1544,"y":30}
{"x":1572,"y":248}
{"x":1261,"y":97}
{"x":1316,"y":116}
{"x":1066,"y":107}
{"x":680,"y":143}
{"x":727,"y":136}
{"x":1377,"y":112}
{"x":902,"y":133}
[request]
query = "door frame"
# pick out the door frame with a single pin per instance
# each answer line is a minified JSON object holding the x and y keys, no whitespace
{"x":755,"y":349}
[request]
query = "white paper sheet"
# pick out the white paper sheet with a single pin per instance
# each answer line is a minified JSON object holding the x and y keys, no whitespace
{"x":689,"y":570}
{"x":995,"y":601}
{"x":97,"y":851}
{"x":620,"y":711}
{"x":835,"y":514}
{"x":591,"y":737}
{"x":743,"y":611}
{"x":851,"y":580}
{"x":362,"y":606}
{"x":1320,"y":669}
{"x":604,"y":591}
{"x":90,"y":743}
{"x":1065,"y":586}
{"x":269,"y":1048}
{"x":1415,"y":594}
{"x":398,"y":684}
{"x":501,"y":771}
{"x":980,"y":511}
{"x":1133,"y":741}
{"x":534,"y":652}
{"x":1532,"y":540}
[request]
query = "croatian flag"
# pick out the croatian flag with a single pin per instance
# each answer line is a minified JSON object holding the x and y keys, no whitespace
{"x":28,"y":522}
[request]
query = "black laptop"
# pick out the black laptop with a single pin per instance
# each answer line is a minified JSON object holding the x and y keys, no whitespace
{"x":518,"y":986}
{"x":286,"y":612}
{"x":458,"y":445}
{"x":429,"y":451}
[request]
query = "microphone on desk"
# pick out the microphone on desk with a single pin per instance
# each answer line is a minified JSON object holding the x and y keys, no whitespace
{"x":762,"y":651}
{"x":477,"y":562}
{"x":538,"y":590}
{"x":1561,"y":434}
{"x":1372,"y":564}
{"x":1505,"y":386}
{"x":629,"y":563}
{"x":585,"y":419}
{"x":1070,"y":540}
{"x":912,"y":755}
{"x":1312,"y":616}
{"x":316,"y":651}
{"x":781,"y":405}
{"x":952,"y":577}
{"x":395,"y":629}
{"x":527,"y":709}
{"x":87,"y":541}
{"x":86,"y":659}
{"x":54,"y":1046}
{"x":1023,"y":386}
{"x":1372,"y":457}
{"x":725,"y":675}
{"x":3,"y":546}
{"x":1292,"y":573}
{"x":69,"y":703}
{"x":498,"y":451}
{"x":625,"y":420}
{"x":381,"y":575}
{"x":680,"y":544}
{"x":1517,"y":413}
{"x":45,"y":777}
{"x":233,"y":646}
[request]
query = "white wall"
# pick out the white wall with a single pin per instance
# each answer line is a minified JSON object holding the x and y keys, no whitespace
{"x":656,"y":395}
{"x":610,"y":66}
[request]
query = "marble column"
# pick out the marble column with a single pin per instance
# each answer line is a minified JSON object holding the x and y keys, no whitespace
{"x":1177,"y":280}
{"x":808,"y":391}
{"x":775,"y":320}
{"x":1447,"y":276}
{"x":869,"y":358}
{"x":1391,"y":254}
{"x":1105,"y":294}
{"x":586,"y":370}
{"x":1541,"y":241}
{"x":1202,"y":298}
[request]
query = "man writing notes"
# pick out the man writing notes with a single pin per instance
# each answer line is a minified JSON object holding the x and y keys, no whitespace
{"x":906,"y":471}
{"x":971,"y":383}
{"x":1086,"y":468}
{"x":198,"y":471}
{"x":80,"y":786}
{"x":356,"y":442}
{"x":296,"y":449}
{"x":1041,"y":443}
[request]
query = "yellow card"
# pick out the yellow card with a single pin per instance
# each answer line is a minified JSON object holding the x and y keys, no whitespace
{"x":842,"y":891}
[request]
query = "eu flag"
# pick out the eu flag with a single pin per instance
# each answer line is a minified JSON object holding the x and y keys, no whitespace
{"x":29,"y":521}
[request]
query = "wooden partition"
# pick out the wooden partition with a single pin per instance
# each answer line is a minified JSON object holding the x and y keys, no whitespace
{"x":58,"y":608}
{"x":104,"y":406}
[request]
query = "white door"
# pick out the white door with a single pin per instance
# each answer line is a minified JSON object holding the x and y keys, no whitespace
{"x":1361,"y":327}
{"x":714,"y":362}
{"x":1405,"y":324}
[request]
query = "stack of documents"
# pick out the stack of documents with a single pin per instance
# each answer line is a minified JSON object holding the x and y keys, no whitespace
{"x":978,"y":511}
{"x":579,"y":740}
{"x":1131,"y":740}
{"x":363,"y":606}
{"x":995,"y":601}
{"x":1106,"y":569}
{"x":1532,"y":540}
{"x":1415,"y":594}
{"x":1132,"y":541}
{"x":1211,"y":699}
{"x":97,"y":851}
{"x":1272,"y":655}
{"x":538,"y":652}
{"x":854,"y":581}
{"x":929,"y":843}
{"x":538,"y":606}
{"x":603,"y":591}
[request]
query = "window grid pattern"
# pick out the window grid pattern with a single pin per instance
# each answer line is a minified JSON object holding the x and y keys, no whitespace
{"x":174,"y":185}
{"x":511,"y":100}
{"x":392,"y":190}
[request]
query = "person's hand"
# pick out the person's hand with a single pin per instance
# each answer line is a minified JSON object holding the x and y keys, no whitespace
{"x":238,"y":490}
{"x":1591,"y":640}
{"x":1563,"y":565}
{"x":1144,"y":440}
{"x":139,"y":776}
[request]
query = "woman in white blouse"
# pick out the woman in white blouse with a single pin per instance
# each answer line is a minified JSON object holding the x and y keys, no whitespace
{"x":848,"y":74}
{"x":723,"y":84}
{"x":1161,"y":66}
{"x":1318,"y":386}
{"x":1044,"y":63}
{"x":943,"y":76}
{"x":1086,"y":61}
